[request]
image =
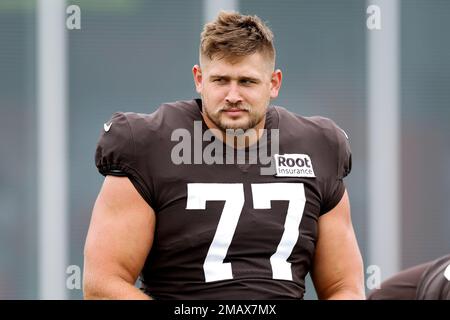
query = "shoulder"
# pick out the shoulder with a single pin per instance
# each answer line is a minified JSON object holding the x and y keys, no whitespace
{"x":434,"y":283}
{"x":145,"y":127}
{"x":170,"y":114}
{"x":318,"y":136}
{"x":127,"y":135}
{"x":131,"y":143}
{"x":316,"y":127}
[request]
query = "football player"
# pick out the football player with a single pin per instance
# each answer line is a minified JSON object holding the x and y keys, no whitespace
{"x":183,"y":211}
{"x":427,"y":281}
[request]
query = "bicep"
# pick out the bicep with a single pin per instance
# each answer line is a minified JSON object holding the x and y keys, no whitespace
{"x":337,"y":262}
{"x":120,"y":234}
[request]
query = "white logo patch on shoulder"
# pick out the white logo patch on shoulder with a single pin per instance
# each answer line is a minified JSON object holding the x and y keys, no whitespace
{"x":447,"y":272}
{"x":106,"y":127}
{"x":294,"y":165}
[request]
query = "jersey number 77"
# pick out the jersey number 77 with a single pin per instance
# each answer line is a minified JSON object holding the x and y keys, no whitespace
{"x":233,"y":194}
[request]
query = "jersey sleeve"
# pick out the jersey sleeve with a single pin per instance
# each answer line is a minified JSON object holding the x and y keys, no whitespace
{"x":116,"y":153}
{"x":341,"y":155}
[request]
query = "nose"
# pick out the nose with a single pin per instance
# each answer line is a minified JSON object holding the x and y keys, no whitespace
{"x":233,"y":96}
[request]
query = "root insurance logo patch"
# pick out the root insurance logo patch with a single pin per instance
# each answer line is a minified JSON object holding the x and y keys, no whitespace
{"x":294,"y":165}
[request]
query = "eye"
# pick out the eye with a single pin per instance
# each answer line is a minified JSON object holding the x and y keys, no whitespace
{"x":247,"y":81}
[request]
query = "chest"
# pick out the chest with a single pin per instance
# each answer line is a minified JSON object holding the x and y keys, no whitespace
{"x":233,"y":213}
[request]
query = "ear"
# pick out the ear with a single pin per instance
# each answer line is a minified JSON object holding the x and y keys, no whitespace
{"x":197,"y":73}
{"x":275,"y":83}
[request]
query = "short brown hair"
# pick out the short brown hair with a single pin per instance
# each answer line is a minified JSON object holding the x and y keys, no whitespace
{"x":233,"y":35}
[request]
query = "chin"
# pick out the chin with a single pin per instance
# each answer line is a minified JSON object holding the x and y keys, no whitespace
{"x":236,"y":124}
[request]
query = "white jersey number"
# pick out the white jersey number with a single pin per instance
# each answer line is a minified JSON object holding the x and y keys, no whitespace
{"x":233,"y":195}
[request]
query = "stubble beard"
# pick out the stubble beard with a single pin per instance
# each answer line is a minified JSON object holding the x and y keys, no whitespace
{"x":253,"y":118}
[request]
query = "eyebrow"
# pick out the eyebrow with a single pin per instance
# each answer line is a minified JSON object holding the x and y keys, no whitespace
{"x":218,"y":76}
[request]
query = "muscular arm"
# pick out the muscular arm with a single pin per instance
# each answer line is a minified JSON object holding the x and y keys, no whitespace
{"x":338,"y":268}
{"x":119,"y":239}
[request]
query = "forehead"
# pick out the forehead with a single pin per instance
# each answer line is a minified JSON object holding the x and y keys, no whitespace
{"x":253,"y":65}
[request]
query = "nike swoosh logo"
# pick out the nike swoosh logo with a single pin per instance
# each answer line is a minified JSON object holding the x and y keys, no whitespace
{"x":107,"y":126}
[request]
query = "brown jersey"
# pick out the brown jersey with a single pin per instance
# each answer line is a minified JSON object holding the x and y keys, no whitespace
{"x":224,"y":230}
{"x":427,"y":281}
{"x":434,"y":284}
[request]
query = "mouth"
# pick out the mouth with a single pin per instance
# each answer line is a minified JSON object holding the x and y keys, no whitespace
{"x":234,"y":111}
